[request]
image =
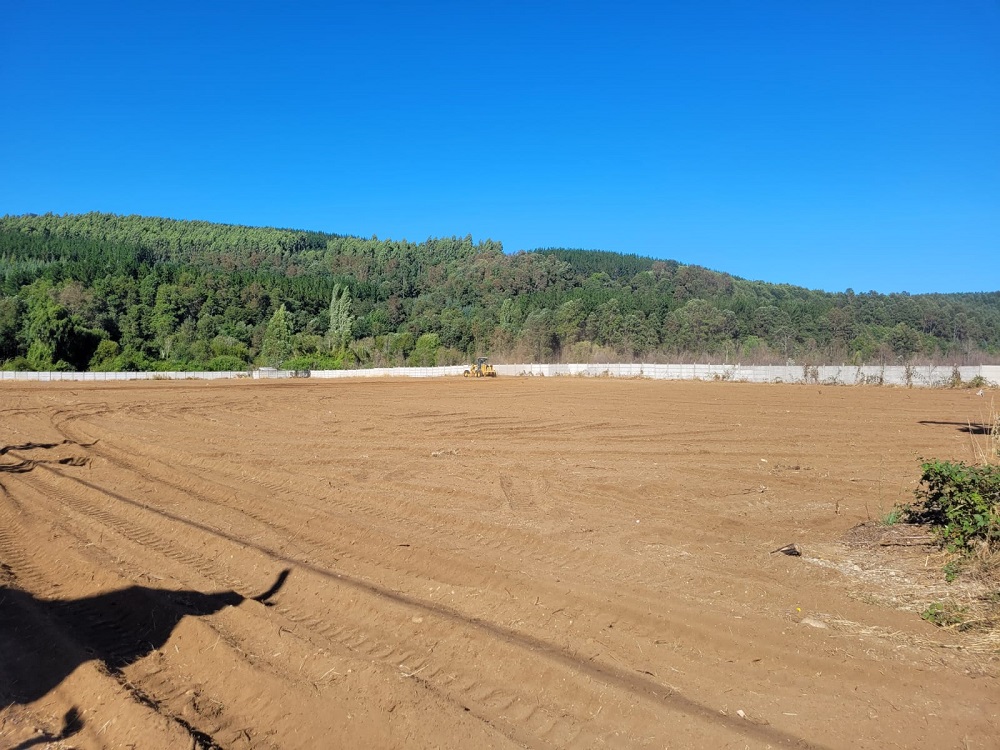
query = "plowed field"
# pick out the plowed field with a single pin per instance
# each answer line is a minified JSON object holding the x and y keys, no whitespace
{"x":542,"y":563}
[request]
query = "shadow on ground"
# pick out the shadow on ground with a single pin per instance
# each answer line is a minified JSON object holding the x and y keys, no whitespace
{"x":973,"y":428}
{"x":42,"y":641}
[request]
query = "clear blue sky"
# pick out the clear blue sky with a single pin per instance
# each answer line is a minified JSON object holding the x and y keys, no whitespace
{"x":828,"y":144}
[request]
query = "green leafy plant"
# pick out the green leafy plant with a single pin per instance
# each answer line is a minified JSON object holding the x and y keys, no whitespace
{"x":893,"y":517}
{"x":944,"y":614}
{"x":978,"y":382}
{"x":961,"y":502}
{"x":951,"y":570}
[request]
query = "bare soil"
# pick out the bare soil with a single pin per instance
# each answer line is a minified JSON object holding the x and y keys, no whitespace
{"x":571,"y":563}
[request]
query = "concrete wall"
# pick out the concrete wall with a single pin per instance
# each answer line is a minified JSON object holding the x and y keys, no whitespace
{"x":391,"y":372}
{"x":829,"y":374}
{"x":50,"y":377}
{"x":919,"y":376}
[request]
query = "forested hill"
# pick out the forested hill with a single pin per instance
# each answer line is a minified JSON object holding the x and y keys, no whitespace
{"x":109,"y":292}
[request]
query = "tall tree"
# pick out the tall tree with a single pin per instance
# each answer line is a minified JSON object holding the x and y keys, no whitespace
{"x":341,"y":319}
{"x":10,"y":314}
{"x":277,"y":343}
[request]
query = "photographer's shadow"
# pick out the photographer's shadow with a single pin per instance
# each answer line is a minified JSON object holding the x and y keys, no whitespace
{"x":42,"y":641}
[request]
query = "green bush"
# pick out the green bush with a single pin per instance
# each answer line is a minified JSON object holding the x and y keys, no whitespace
{"x":960,"y":501}
{"x":944,"y":614}
{"x":18,"y":364}
{"x":317,"y":362}
{"x":226,"y":363}
{"x":130,"y":360}
{"x":176,"y":365}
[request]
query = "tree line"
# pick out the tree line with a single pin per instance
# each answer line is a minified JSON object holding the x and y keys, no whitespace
{"x":107,"y":292}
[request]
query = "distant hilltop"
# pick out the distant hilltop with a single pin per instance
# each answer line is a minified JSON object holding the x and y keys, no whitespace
{"x":106,"y":292}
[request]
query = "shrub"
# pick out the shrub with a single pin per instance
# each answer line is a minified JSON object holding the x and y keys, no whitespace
{"x":960,"y":501}
{"x":18,"y":364}
{"x":944,"y":614}
{"x":226,"y":363}
{"x":104,"y":355}
{"x":130,"y":360}
{"x":317,"y":362}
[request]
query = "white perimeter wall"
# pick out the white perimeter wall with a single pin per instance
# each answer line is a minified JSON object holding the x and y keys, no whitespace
{"x":120,"y":376}
{"x":828,"y":374}
{"x":922,"y":375}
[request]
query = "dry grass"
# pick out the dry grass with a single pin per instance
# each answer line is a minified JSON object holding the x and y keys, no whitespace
{"x":994,"y":432}
{"x":982,"y":642}
{"x":985,"y":570}
{"x":987,"y":449}
{"x":902,"y":566}
{"x":984,"y":565}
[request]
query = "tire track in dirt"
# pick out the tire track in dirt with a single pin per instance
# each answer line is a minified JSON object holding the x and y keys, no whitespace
{"x":539,"y":719}
{"x":362,"y":638}
{"x":309,"y":523}
{"x":498,"y":543}
{"x":162,"y":687}
{"x":359,"y":638}
{"x":80,"y":520}
{"x":143,"y":537}
{"x":454,"y":567}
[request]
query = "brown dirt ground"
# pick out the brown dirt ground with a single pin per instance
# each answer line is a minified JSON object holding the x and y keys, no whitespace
{"x":528,"y":562}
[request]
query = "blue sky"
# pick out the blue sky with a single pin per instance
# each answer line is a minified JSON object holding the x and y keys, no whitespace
{"x":823,"y":144}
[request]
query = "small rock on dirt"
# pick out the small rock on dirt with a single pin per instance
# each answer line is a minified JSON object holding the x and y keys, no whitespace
{"x":813,"y":623}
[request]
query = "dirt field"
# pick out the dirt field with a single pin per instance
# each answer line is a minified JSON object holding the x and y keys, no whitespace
{"x":476,"y":564}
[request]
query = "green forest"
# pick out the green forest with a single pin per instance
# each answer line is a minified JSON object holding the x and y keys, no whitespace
{"x":107,"y":292}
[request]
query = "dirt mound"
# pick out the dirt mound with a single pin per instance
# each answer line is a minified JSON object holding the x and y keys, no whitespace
{"x":475,"y":563}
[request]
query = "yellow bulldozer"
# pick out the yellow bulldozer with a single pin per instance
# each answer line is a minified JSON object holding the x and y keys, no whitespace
{"x":481,"y":369}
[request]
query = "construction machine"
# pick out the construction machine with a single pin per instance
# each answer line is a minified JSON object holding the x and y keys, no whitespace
{"x":481,"y":369}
